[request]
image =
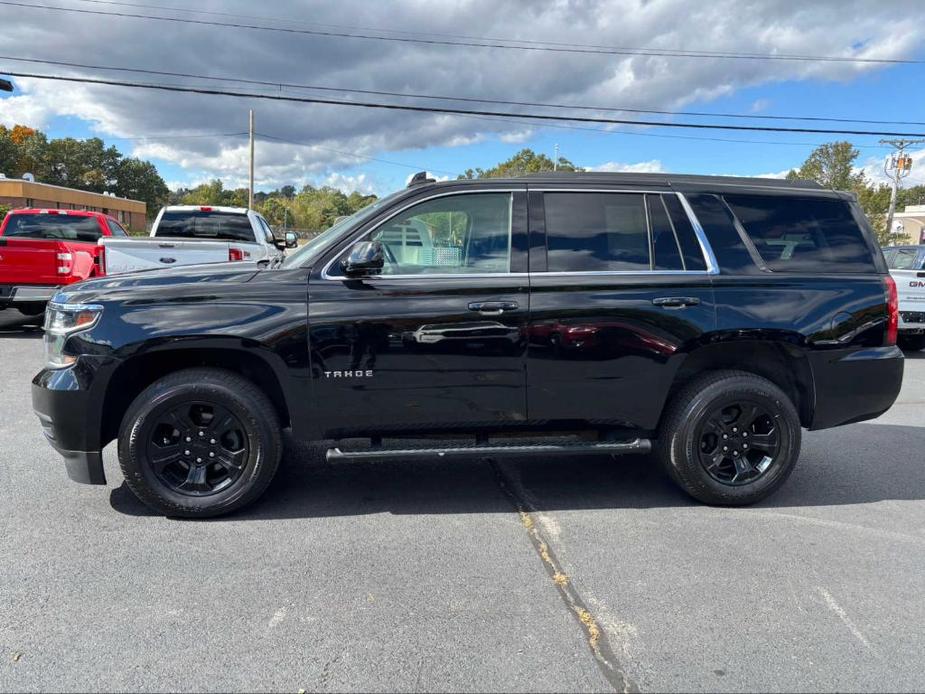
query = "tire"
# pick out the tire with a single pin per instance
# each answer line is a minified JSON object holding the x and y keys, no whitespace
{"x":247,"y":450}
{"x":911,"y":343}
{"x":693,"y":431}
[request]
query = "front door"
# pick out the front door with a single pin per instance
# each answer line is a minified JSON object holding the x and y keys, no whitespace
{"x":621,"y":294}
{"x":438,"y":340}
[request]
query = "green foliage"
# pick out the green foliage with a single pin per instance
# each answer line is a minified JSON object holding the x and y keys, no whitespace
{"x":524,"y":162}
{"x":3,"y":210}
{"x":82,"y":164}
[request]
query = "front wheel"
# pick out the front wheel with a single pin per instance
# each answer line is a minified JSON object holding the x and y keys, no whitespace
{"x":730,"y":438}
{"x":200,"y":443}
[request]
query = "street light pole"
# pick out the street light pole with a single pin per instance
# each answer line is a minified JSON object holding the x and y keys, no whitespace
{"x":250,"y":190}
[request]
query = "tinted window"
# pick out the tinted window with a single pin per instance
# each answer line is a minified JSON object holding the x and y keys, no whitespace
{"x":684,"y":231}
{"x":115,"y":229}
{"x":596,"y":232}
{"x":666,"y":252}
{"x":53,"y":226}
{"x":206,"y":225}
{"x":267,"y":231}
{"x":468,"y":233}
{"x":803,"y":234}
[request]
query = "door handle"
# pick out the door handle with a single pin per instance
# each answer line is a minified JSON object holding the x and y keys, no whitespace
{"x":676,"y":301}
{"x":493,"y":308}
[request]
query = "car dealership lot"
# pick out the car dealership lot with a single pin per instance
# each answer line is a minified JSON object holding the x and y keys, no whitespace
{"x":424,"y":576}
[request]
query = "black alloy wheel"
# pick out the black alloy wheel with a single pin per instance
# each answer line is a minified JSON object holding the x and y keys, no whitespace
{"x":197,"y":448}
{"x":739,"y":442}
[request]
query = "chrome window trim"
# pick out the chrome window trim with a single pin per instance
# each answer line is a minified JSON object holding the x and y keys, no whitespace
{"x":712,"y":265}
{"x":620,"y":273}
{"x":509,"y":191}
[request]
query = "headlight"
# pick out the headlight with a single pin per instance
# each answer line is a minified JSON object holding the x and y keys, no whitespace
{"x":61,"y":321}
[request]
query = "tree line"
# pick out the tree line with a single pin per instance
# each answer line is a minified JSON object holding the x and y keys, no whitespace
{"x":82,"y":164}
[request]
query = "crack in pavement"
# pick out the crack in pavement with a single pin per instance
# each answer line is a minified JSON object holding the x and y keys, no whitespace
{"x":600,"y":646}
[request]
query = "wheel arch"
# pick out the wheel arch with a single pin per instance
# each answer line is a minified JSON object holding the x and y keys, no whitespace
{"x":780,"y":362}
{"x":137,"y":372}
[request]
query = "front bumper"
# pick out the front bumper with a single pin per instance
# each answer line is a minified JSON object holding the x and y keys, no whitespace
{"x":68,"y":412}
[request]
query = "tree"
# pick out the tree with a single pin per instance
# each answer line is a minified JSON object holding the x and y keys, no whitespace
{"x":139,"y":180}
{"x":831,"y":165}
{"x":524,"y":162}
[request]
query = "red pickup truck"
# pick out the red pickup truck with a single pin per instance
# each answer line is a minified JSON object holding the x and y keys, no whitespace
{"x":42,"y":250}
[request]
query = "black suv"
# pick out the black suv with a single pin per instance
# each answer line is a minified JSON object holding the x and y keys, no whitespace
{"x":706,"y":319}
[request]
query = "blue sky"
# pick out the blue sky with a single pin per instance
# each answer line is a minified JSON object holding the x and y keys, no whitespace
{"x":447,"y":145}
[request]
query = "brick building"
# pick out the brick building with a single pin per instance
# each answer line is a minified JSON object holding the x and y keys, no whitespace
{"x":16,"y":193}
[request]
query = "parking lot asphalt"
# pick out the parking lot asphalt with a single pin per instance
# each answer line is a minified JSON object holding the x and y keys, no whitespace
{"x":540,"y":575}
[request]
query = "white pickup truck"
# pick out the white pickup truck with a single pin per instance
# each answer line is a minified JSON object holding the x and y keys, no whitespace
{"x":194,"y":234}
{"x":907,"y":266}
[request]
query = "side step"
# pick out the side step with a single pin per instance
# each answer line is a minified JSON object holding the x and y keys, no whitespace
{"x":501,"y":450}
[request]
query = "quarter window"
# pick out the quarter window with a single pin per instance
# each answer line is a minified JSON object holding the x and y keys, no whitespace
{"x":596,"y":232}
{"x":456,"y":234}
{"x":803,"y":234}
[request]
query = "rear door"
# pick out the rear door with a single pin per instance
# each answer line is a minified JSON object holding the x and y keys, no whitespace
{"x":39,"y":248}
{"x":620,"y":290}
{"x":438,"y":340}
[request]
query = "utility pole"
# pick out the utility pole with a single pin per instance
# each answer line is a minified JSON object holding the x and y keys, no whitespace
{"x":555,"y":161}
{"x":897,"y":166}
{"x":250,"y":190}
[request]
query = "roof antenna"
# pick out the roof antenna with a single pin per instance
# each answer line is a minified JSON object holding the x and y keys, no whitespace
{"x":419,"y":178}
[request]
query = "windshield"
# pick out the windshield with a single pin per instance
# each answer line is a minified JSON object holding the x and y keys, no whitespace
{"x":318,"y":245}
{"x":199,"y":224}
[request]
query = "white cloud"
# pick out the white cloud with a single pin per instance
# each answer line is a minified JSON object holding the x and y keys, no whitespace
{"x":827,"y":27}
{"x":873,"y":169}
{"x":774,"y":174}
{"x":651,"y":166}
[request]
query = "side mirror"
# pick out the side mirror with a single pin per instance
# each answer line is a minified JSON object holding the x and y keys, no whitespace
{"x":365,"y":258}
{"x":291,"y":239}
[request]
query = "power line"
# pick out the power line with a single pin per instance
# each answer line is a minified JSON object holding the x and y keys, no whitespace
{"x":289,"y":85}
{"x":454,"y":111}
{"x":666,"y":53}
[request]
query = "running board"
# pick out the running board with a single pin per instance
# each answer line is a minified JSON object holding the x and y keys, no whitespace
{"x":501,"y":450}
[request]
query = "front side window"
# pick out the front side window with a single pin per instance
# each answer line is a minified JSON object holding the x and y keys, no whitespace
{"x":53,"y":226}
{"x":597,"y":232}
{"x":115,"y":229}
{"x":456,"y":234}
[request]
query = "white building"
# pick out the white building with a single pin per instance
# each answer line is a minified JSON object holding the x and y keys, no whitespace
{"x":911,"y":224}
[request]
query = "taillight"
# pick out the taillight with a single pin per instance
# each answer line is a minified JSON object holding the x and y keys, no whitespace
{"x":101,"y":260}
{"x":65,"y":263}
{"x":235,"y":254}
{"x":892,"y":307}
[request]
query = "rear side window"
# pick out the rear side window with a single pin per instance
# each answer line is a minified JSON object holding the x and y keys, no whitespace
{"x":58,"y":227}
{"x":197,"y":224}
{"x":587,"y":232}
{"x":115,"y":229}
{"x":803,"y":234}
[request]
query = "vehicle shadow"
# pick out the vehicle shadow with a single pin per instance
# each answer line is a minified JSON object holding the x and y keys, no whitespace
{"x":862,"y":463}
{"x":17,"y":326}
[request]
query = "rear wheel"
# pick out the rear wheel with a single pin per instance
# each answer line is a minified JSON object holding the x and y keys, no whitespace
{"x":730,"y":437}
{"x":911,"y":343}
{"x":199,"y":443}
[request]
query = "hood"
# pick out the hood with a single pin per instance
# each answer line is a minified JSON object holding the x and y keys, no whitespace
{"x":187,"y":279}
